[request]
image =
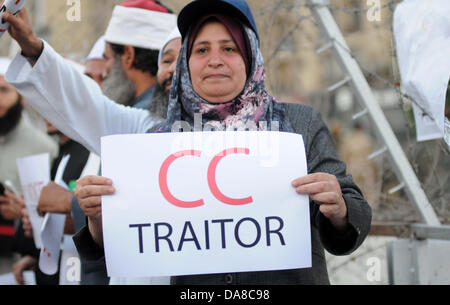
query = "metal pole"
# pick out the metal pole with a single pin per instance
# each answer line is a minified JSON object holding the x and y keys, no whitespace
{"x":350,"y":67}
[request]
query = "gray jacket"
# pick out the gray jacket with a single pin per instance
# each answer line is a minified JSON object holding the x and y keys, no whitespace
{"x":321,"y":157}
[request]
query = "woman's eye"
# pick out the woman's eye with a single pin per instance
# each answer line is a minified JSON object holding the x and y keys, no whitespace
{"x":201,"y":51}
{"x":229,"y":49}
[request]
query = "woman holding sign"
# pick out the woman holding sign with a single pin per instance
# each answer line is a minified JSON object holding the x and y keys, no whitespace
{"x":220,"y":74}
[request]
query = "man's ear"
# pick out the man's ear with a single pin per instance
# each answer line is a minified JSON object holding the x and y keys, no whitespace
{"x":128,"y":57}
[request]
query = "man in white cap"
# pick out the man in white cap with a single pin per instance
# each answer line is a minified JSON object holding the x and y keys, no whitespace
{"x":99,"y":115}
{"x":135,"y":34}
{"x":82,"y":111}
{"x":95,"y":66}
{"x":167,"y":61}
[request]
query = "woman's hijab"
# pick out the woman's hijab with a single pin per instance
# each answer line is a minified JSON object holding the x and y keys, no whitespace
{"x":253,"y":109}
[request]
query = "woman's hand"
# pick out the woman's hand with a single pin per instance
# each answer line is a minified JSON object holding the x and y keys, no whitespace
{"x":325,"y":190}
{"x":89,"y":191}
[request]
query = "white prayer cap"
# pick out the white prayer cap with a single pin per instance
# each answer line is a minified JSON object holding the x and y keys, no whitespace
{"x":174,"y":35}
{"x":98,"y":50}
{"x":4,"y":64}
{"x":140,"y":23}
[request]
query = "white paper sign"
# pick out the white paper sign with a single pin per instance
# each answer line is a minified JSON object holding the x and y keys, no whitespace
{"x":422,"y":33}
{"x":51,"y":236}
{"x":52,"y":230}
{"x":201,"y":203}
{"x":13,"y":6}
{"x":34,"y":174}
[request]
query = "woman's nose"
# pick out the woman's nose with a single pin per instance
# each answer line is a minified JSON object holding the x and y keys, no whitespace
{"x":215,"y":59}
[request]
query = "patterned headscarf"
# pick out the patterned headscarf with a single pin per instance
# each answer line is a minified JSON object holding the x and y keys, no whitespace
{"x":253,"y":108}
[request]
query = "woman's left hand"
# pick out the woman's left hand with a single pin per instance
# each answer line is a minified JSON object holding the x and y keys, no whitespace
{"x":325,"y":190}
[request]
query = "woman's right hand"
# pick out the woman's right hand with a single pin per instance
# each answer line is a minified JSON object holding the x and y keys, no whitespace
{"x":88,"y":192}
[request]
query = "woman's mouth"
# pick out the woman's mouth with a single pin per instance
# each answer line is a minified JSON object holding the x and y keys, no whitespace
{"x":216,"y":76}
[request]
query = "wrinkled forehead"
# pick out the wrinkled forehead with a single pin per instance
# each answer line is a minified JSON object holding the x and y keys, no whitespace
{"x":205,"y":35}
{"x":172,"y":46}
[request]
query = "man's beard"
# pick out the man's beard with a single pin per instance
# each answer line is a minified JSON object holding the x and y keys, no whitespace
{"x":117,"y":86}
{"x":160,"y":100}
{"x":12,"y":118}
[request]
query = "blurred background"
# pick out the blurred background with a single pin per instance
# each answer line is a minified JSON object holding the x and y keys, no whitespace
{"x":296,"y":73}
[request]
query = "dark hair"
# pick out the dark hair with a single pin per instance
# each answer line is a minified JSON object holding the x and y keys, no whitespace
{"x":12,"y":117}
{"x":145,"y":60}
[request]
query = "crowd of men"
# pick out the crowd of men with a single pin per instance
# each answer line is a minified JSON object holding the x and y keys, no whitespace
{"x":133,"y":67}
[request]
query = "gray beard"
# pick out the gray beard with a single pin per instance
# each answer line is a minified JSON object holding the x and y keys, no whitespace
{"x":117,"y":86}
{"x":160,"y":100}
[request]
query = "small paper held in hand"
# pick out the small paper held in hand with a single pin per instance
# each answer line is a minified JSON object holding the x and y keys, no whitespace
{"x":52,"y":230}
{"x":34,"y":174}
{"x":12,"y":6}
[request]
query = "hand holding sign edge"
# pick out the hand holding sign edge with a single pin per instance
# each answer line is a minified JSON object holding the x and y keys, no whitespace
{"x":325,"y":190}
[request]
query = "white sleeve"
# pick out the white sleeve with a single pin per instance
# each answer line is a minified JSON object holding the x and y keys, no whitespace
{"x":73,"y":102}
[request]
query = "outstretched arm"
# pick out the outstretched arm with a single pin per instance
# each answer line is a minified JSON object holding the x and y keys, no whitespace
{"x":71,"y":101}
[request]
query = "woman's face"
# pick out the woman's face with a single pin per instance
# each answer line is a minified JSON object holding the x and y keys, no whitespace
{"x":216,"y":66}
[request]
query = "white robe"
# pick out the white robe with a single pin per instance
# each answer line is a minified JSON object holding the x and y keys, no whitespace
{"x":73,"y":102}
